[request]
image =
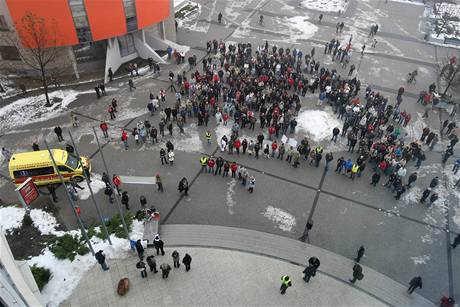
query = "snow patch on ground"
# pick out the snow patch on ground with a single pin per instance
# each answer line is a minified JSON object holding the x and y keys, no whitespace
{"x":11,"y":218}
{"x":45,"y":222}
{"x":420,"y":259}
{"x":96,"y":184}
{"x":32,"y":109}
{"x":326,"y":5}
{"x":282,"y":219}
{"x":190,"y":141}
{"x":317,"y":124}
{"x":230,"y":192}
{"x":300,"y":27}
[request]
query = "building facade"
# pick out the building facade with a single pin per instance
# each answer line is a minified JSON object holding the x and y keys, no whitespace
{"x":93,"y":34}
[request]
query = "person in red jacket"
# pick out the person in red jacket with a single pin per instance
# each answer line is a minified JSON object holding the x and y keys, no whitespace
{"x":211,"y":163}
{"x":104,"y":127}
{"x":274,"y":148}
{"x":124,"y":138}
{"x":117,"y":183}
{"x":271,"y":132}
{"x":233,"y":168}
{"x":225,"y":119}
{"x":237,"y":145}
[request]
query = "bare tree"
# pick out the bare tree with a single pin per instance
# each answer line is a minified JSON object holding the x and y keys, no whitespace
{"x":38,"y":48}
{"x":446,"y":18}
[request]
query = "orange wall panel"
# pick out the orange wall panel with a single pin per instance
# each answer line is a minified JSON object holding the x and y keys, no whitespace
{"x":106,"y":18}
{"x":151,"y":11}
{"x":59,"y":25}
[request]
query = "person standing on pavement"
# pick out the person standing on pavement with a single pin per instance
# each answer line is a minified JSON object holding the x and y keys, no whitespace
{"x":159,"y":244}
{"x":140,"y":249}
{"x":125,"y":199}
{"x":142,"y":268}
{"x":165,"y":268}
{"x":104,"y":127}
{"x":375,"y":179}
{"x":187,"y":260}
{"x":285,"y":283}
{"x":415,"y":283}
{"x":183,"y":186}
{"x":100,"y":257}
{"x":360,"y":254}
{"x":159,"y":183}
{"x":58,"y":131}
{"x":152,"y":263}
{"x":456,"y":241}
{"x":131,"y":85}
{"x":176,"y":259}
{"x":357,"y":273}
{"x":310,"y":271}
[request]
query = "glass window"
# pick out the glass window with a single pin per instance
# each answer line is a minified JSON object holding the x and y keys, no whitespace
{"x":72,"y":161}
{"x":3,"y":24}
{"x":34,"y":172}
{"x":10,"y":53}
{"x":126,"y":44}
{"x":63,"y":168}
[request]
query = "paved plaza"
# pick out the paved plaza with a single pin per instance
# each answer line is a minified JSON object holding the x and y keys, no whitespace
{"x":402,"y":238}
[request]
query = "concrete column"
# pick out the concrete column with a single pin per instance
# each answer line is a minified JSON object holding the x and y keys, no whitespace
{"x":74,"y":62}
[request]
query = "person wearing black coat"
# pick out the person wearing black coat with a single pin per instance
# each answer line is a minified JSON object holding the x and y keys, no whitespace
{"x":158,"y":243}
{"x":360,"y":254}
{"x":310,"y":271}
{"x":415,"y":283}
{"x":375,"y":179}
{"x":125,"y":199}
{"x":314,"y":262}
{"x":139,"y":249}
{"x":187,"y":260}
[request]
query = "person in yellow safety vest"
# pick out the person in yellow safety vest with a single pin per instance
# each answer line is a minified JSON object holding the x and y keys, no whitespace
{"x":354,"y":171}
{"x":319,"y":149}
{"x":285,"y":283}
{"x":204,"y":163}
{"x":208,"y":137}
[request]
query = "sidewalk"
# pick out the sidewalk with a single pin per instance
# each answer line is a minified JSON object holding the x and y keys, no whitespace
{"x":217,"y":278}
{"x":233,"y":266}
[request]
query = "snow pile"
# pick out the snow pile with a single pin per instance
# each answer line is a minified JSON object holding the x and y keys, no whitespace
{"x":336,"y":6}
{"x":67,"y":274}
{"x":32,"y":109}
{"x":45,"y":222}
{"x":96,"y":184}
{"x":178,"y":3}
{"x":317,"y":124}
{"x":11,"y":218}
{"x":282,"y":219}
{"x":300,"y":27}
{"x":230,"y":192}
{"x":446,"y":21}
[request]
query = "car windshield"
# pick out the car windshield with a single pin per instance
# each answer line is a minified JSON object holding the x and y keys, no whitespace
{"x":72,"y":161}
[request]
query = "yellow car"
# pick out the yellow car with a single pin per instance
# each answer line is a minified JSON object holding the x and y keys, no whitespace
{"x":39,"y":166}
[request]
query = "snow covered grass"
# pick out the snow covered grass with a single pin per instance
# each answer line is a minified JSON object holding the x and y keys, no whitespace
{"x":65,"y":274}
{"x":335,"y":6}
{"x":317,"y":124}
{"x":32,"y":109}
{"x":11,"y":218}
{"x":282,"y":219}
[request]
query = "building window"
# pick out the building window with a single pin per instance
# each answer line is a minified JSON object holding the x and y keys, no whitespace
{"x":3,"y":24}
{"x":9,"y":53}
{"x":126,"y":44}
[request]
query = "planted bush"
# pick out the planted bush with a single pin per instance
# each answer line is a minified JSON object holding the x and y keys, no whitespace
{"x":41,"y":275}
{"x":68,"y":247}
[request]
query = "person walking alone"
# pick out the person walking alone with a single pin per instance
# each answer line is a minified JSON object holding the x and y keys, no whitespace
{"x":415,"y":283}
{"x":456,"y":241}
{"x":159,"y":183}
{"x":357,"y":273}
{"x":100,"y":257}
{"x":176,"y":258}
{"x":285,"y":283}
{"x":310,"y":271}
{"x":187,"y":260}
{"x":360,"y":254}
